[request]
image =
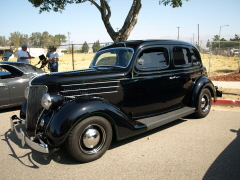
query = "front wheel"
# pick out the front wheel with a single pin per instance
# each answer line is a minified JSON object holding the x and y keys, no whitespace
{"x":90,"y":139}
{"x":204,"y":104}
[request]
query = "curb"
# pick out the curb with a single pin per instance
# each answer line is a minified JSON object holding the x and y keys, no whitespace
{"x":226,"y":102}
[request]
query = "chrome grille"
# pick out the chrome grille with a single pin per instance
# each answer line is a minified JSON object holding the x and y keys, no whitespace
{"x":89,"y":88}
{"x":34,"y":107}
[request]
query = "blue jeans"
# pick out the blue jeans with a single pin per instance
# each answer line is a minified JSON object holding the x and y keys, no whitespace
{"x":53,"y":67}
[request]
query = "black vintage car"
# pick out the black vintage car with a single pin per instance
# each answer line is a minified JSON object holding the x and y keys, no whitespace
{"x":131,"y":87}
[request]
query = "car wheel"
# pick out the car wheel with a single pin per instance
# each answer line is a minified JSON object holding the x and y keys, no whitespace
{"x":90,"y":139}
{"x":204,"y":104}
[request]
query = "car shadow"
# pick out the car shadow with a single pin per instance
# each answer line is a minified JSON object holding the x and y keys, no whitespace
{"x":10,"y":109}
{"x":227,"y":164}
{"x":61,"y":155}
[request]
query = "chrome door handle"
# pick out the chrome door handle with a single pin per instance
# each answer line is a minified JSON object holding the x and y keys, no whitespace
{"x":174,"y":77}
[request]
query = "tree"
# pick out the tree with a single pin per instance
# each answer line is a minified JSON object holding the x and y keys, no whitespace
{"x":3,"y":41}
{"x":105,"y":11}
{"x":15,"y":41}
{"x":96,"y":46}
{"x":208,"y":45}
{"x":85,"y":47}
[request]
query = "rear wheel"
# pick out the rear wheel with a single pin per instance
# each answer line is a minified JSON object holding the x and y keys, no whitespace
{"x":204,"y":104}
{"x":90,"y":139}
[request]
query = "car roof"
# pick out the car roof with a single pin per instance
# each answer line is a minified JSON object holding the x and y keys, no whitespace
{"x":135,"y":43}
{"x":26,"y":68}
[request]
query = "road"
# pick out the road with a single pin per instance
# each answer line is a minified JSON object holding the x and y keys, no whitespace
{"x":191,"y":149}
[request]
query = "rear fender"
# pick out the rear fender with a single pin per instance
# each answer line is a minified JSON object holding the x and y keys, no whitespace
{"x":197,"y":86}
{"x":75,"y":111}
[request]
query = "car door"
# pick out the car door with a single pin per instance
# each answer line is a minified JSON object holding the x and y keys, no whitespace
{"x":185,"y":69}
{"x":151,"y":88}
{"x":4,"y":92}
{"x":16,"y":86}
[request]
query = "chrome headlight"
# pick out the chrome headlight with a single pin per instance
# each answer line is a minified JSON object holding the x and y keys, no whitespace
{"x":26,"y":92}
{"x":51,"y":101}
{"x":46,"y":101}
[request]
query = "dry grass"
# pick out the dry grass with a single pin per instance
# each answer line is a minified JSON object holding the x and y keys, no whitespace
{"x":216,"y":65}
{"x":220,"y":65}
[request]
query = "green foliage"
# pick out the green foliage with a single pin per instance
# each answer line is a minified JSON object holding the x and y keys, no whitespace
{"x":96,"y":46}
{"x":55,"y":5}
{"x":16,"y":39}
{"x":45,"y":39}
{"x":173,"y":3}
{"x":85,"y":47}
{"x":3,"y":41}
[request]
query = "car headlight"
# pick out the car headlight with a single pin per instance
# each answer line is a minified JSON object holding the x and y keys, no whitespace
{"x":51,"y":101}
{"x":46,"y":101}
{"x":26,"y":92}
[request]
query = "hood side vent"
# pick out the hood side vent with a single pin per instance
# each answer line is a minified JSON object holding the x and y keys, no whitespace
{"x":75,"y":90}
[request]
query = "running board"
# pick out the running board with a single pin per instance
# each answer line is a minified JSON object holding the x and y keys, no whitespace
{"x":156,"y":121}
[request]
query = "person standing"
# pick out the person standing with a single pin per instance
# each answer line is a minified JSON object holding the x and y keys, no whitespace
{"x":52,"y":56}
{"x":23,"y":55}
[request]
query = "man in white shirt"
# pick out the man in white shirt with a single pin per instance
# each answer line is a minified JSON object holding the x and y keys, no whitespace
{"x":23,"y":55}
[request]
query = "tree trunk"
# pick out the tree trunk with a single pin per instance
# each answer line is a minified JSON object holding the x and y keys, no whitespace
{"x":130,"y":21}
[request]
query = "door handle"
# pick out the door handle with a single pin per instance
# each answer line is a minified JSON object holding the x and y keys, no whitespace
{"x":174,"y":77}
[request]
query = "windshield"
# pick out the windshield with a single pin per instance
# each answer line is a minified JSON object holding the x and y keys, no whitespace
{"x":113,"y":57}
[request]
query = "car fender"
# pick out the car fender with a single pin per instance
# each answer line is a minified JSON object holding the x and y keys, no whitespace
{"x":198,"y":84}
{"x":70,"y":114}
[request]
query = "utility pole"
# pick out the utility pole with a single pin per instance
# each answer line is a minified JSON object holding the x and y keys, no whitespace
{"x":178,"y":33}
{"x":193,"y":39}
{"x":198,"y":35}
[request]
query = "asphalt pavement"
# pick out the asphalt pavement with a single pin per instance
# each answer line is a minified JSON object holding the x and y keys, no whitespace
{"x":227,"y":84}
{"x":186,"y":149}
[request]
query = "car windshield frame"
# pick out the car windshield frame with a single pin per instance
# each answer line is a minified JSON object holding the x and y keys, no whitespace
{"x":113,"y":57}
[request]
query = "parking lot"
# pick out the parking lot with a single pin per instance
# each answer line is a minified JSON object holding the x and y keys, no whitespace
{"x":206,"y":148}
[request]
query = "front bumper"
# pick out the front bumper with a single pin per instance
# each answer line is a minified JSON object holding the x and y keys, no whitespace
{"x":30,"y":141}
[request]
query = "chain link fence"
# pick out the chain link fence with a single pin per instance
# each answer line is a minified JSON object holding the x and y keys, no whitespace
{"x":219,"y":58}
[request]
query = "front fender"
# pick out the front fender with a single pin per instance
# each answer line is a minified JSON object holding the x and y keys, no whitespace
{"x":66,"y":118}
{"x":200,"y":83}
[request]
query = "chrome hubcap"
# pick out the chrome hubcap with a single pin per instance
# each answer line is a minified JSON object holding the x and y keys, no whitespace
{"x":205,"y":103}
{"x":92,"y":139}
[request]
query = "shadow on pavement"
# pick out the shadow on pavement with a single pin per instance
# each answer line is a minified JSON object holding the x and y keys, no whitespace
{"x":61,"y":155}
{"x":227,"y":164}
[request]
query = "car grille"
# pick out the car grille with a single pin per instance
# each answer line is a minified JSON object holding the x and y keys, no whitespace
{"x":34,"y":107}
{"x":74,"y":90}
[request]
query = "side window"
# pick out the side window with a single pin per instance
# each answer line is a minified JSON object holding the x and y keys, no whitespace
{"x":153,"y":59}
{"x":4,"y":73}
{"x":195,"y":57}
{"x":181,"y":56}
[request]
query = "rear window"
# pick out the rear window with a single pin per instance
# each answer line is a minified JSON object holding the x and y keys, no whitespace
{"x":181,"y":56}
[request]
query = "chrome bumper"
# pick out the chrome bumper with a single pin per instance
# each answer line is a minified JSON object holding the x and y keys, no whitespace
{"x":41,"y":147}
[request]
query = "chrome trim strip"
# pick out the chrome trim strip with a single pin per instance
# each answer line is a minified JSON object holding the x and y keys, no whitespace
{"x":91,"y":89}
{"x":93,"y":83}
{"x":90,"y":94}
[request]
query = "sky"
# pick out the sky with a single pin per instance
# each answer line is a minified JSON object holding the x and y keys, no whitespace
{"x":82,"y":22}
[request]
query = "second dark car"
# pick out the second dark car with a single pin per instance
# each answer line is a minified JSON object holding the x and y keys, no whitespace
{"x":14,"y":78}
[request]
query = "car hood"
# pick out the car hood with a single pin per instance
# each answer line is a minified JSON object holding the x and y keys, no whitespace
{"x":79,"y":76}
